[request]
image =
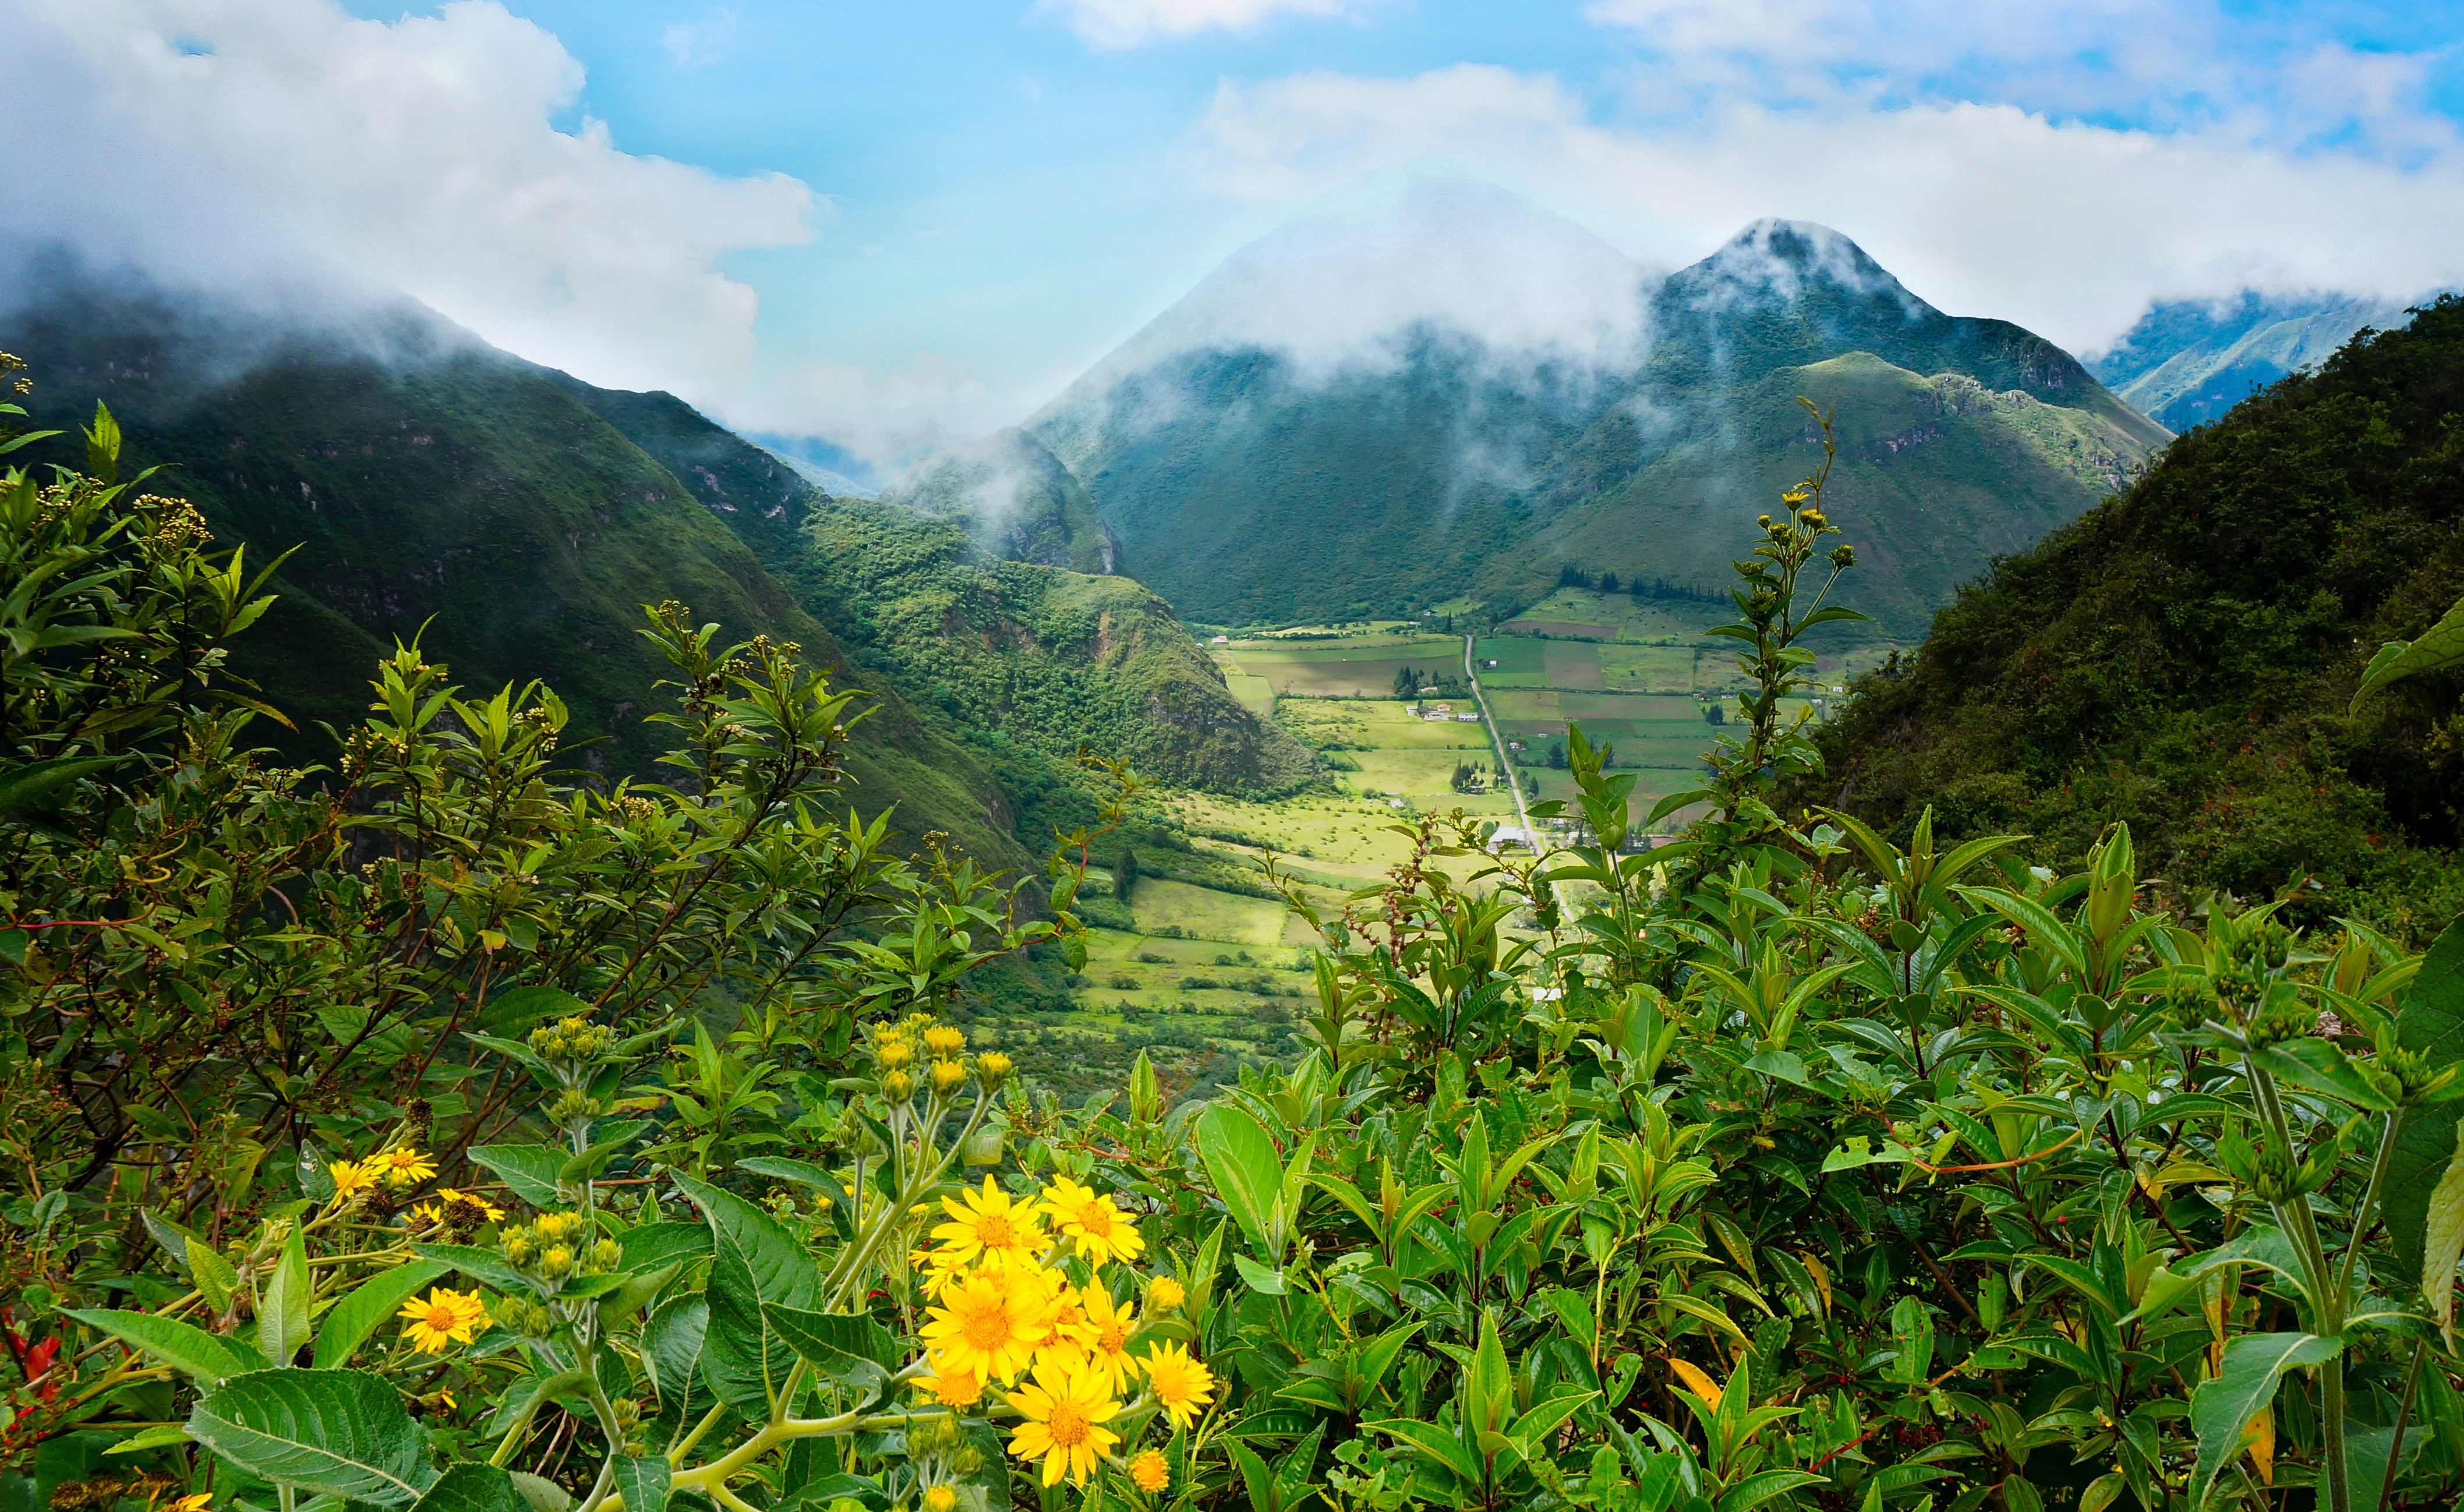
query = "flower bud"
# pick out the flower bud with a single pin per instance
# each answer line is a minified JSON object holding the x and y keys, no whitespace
{"x":1165,"y":1294}
{"x":944,"y":1041}
{"x":556,"y":1263}
{"x":893,"y":1054}
{"x":605,"y":1256}
{"x":939,"y":1499}
{"x":898,"y":1087}
{"x":946,"y":1077}
{"x":992,"y":1069}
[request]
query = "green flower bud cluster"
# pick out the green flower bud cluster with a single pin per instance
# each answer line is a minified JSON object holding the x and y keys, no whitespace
{"x":556,"y":1247}
{"x":533,"y":1319}
{"x":2409,"y":1077}
{"x":919,"y":1054}
{"x":572,"y":1039}
{"x":572,"y":1107}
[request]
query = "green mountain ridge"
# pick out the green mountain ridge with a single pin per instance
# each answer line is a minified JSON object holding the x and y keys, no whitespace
{"x":1248,"y":487}
{"x":515,"y":519}
{"x":1014,"y":499}
{"x":2188,"y":361}
{"x":2181,"y":657}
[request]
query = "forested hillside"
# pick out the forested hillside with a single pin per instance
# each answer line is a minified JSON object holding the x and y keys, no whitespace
{"x":2181,"y":658}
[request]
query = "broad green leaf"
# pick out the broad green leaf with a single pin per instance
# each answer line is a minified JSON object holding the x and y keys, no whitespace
{"x":653,"y":1246}
{"x":2441,"y":645}
{"x":1263,"y":1279}
{"x":844,"y":1346}
{"x":486,"y":1266}
{"x":1912,"y":1327}
{"x":539,"y":1494}
{"x":341,"y":1433}
{"x":1756,"y":1490}
{"x":672,"y":1347}
{"x":624,"y":1300}
{"x":1242,"y":1160}
{"x":214,"y":1275}
{"x":641,"y":1481}
{"x":1438,"y":1443}
{"x":754,"y":1263}
{"x":40,"y":783}
{"x":2430,"y":1021}
{"x":525,"y":1007}
{"x":2221,"y":1409}
{"x":184,"y":1347}
{"x":530,"y":1169}
{"x":2321,"y":1067}
{"x":472,"y":1488}
{"x":282,"y":1312}
{"x":2443,"y":1241}
{"x":152,"y":1438}
{"x":349,"y":1322}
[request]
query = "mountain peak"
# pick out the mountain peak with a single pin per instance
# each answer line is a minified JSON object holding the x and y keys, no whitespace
{"x":1351,"y":284}
{"x":1775,"y":260}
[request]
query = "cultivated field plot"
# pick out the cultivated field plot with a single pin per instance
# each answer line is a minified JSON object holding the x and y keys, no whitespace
{"x":1651,"y":669}
{"x":1364,"y":667}
{"x":1256,"y":694}
{"x":1617,"y":617}
{"x":1207,"y":914}
{"x":1521,"y":661}
{"x":1571,"y":663}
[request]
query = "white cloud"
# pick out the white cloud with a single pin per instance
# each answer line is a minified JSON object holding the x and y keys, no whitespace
{"x":419,"y":154}
{"x":1132,"y":23}
{"x":1982,"y":208}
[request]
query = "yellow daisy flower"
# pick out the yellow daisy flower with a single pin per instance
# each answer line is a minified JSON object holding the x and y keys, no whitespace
{"x":990,"y":1223}
{"x":351,"y":1177}
{"x":986,"y":1327}
{"x":1106,"y":1336}
{"x":1062,"y":1425}
{"x":1165,"y":1294}
{"x":446,"y":1318}
{"x":1180,"y":1384}
{"x":939,"y":1499}
{"x":1100,"y":1231}
{"x":1148,"y":1470}
{"x":953,"y":1388}
{"x":193,"y":1504}
{"x":1060,"y":1348}
{"x":403,"y":1167}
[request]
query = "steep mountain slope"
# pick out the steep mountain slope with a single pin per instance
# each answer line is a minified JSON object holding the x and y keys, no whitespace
{"x":1050,"y":659}
{"x":1014,"y":499}
{"x":2181,"y":657}
{"x":2188,"y":361}
{"x":437,"y":487}
{"x":1248,"y":473}
{"x":1959,"y":439}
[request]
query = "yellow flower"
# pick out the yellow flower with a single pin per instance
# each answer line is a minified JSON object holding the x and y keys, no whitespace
{"x":1106,"y":1335}
{"x":950,"y":1388}
{"x":991,"y":1223}
{"x":193,"y":1504}
{"x":1100,"y":1231}
{"x":403,"y":1167}
{"x":940,"y":1499}
{"x":1061,"y":1347}
{"x":1180,"y":1384}
{"x":944,"y":1041}
{"x":427,"y":1213}
{"x":988,"y":1328}
{"x":351,"y":1177}
{"x":446,"y":1317}
{"x":1062,"y":1425}
{"x":1148,"y":1471}
{"x":1166,"y":1295}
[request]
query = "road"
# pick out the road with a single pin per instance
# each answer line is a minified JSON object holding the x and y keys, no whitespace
{"x":1505,"y":767}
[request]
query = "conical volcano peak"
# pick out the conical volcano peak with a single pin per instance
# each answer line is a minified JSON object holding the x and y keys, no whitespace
{"x":1777,"y":260}
{"x":1349,"y":284}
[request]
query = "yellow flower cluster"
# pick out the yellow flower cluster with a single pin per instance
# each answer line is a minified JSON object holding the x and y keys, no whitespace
{"x":399,"y":1169}
{"x":920,"y":1053}
{"x":1006,"y":1307}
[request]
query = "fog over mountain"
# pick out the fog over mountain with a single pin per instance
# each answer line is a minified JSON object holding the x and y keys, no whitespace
{"x":1453,"y":391}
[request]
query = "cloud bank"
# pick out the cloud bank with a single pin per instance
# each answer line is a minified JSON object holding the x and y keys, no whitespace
{"x":2066,"y":225}
{"x":254,"y":144}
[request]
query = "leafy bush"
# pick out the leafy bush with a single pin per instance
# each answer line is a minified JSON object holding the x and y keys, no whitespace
{"x":376,"y":1136}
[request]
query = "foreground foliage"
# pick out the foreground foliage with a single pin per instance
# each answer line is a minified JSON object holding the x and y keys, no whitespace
{"x":376,"y":1135}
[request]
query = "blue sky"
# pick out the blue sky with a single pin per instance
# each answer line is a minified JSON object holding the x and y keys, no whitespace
{"x":897,"y":222}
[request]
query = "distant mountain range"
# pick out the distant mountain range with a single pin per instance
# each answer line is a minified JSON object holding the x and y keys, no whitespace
{"x":1465,"y":394}
{"x":517,"y":518}
{"x":2188,"y":361}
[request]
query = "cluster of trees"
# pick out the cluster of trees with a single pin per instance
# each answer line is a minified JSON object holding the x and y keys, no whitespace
{"x":1448,"y":681}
